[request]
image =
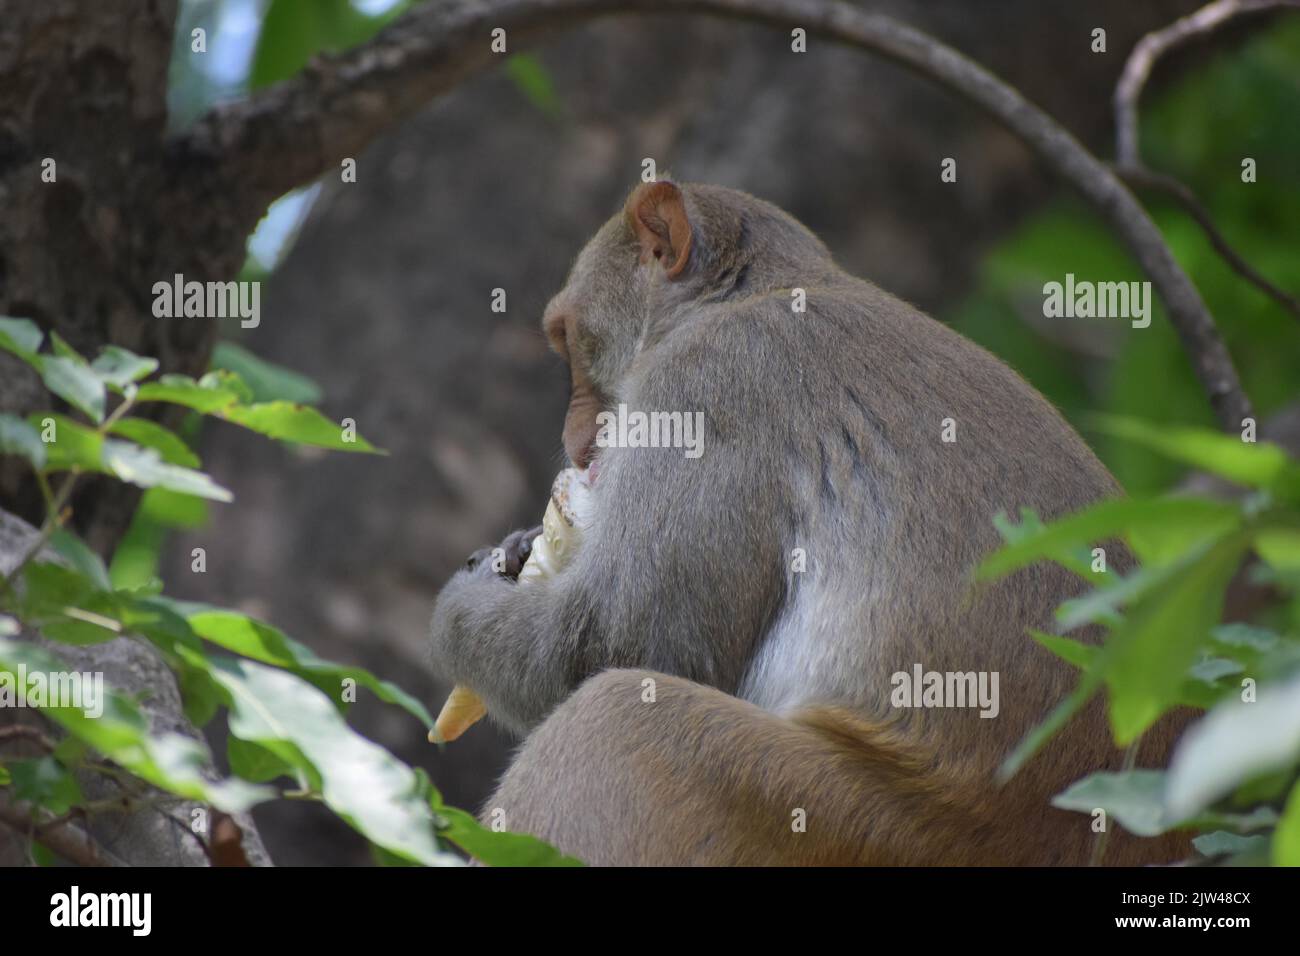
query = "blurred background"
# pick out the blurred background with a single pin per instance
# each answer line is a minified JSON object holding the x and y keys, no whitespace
{"x":378,"y":293}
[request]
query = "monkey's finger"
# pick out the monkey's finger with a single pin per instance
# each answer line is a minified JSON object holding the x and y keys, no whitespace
{"x":518,"y":546}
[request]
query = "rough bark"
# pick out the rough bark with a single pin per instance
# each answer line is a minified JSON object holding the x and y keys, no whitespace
{"x":84,"y":83}
{"x":153,"y":836}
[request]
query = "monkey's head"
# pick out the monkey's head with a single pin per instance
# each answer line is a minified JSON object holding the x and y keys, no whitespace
{"x":673,"y":247}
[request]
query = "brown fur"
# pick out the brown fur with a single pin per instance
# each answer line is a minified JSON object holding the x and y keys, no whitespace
{"x":703,"y":778}
{"x":772,"y":688}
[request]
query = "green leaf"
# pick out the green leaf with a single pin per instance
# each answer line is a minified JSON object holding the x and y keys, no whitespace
{"x":1146,"y":657}
{"x":1104,"y":605}
{"x":300,"y":424}
{"x":224,"y":379}
{"x":49,"y":587}
{"x":152,"y":435}
{"x":67,"y":606}
{"x":291,"y":34}
{"x":79,"y":633}
{"x":172,"y":762}
{"x":1223,"y":843}
{"x":1133,"y":798}
{"x":1199,"y":518}
{"x":74,"y":444}
{"x":1081,"y":655}
{"x":533,"y":80}
{"x":1286,"y":838}
{"x":252,"y":761}
{"x":72,"y":380}
{"x":1077,"y":559}
{"x":61,"y":348}
{"x":144,"y":467}
{"x":224,"y":394}
{"x":497,"y":848}
{"x":1280,"y":547}
{"x":45,"y":782}
{"x":201,"y":697}
{"x":1233,"y":743}
{"x":205,"y":396}
{"x":267,"y":381}
{"x":262,"y":642}
{"x":19,"y":438}
{"x":171,"y":509}
{"x":293,"y":31}
{"x":1213,"y":669}
{"x":22,"y":337}
{"x":118,"y":368}
{"x":70,"y":752}
{"x":364,"y":784}
{"x":6,"y":777}
{"x":1249,"y":636}
{"x":135,"y":562}
{"x":78,"y":554}
{"x":1254,"y":464}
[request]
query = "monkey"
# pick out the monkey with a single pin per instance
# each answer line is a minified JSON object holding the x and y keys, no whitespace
{"x":710,"y":679}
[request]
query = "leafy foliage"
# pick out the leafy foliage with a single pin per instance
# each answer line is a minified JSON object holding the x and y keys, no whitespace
{"x":1198,"y":130}
{"x":286,"y":707}
{"x":1235,"y":774}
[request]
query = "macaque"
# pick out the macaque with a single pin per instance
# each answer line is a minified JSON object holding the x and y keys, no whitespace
{"x":714,"y":677}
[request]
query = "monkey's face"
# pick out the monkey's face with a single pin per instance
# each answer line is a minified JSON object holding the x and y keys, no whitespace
{"x":579,"y":324}
{"x":594,"y":324}
{"x":624,"y":292}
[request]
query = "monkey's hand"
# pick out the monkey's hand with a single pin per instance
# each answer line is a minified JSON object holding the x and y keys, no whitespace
{"x":507,"y":559}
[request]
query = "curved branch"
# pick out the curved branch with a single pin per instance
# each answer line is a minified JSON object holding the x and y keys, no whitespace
{"x":1141,"y":177}
{"x":58,"y":834}
{"x":1137,"y":69}
{"x":291,"y":133}
{"x":1128,"y":154}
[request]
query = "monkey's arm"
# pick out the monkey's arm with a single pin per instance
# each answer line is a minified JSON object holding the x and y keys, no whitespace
{"x":677,"y":573}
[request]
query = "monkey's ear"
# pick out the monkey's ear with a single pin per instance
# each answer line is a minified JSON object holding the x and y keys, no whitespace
{"x":657,"y":214}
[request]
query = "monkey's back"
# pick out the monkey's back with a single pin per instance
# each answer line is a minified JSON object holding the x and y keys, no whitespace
{"x":893,"y":519}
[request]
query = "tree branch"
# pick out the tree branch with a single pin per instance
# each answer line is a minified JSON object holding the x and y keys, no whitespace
{"x":291,"y":133}
{"x":1175,"y":189}
{"x":57,"y":834}
{"x":1128,"y":161}
{"x":1137,"y":70}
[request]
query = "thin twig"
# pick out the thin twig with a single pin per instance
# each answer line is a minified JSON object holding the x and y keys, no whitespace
{"x":1128,"y":153}
{"x":30,"y":734}
{"x":1099,"y":848}
{"x":1178,"y":191}
{"x":64,"y":838}
{"x":54,"y":516}
{"x":1137,"y":69}
{"x":253,"y":151}
{"x":53,"y":521}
